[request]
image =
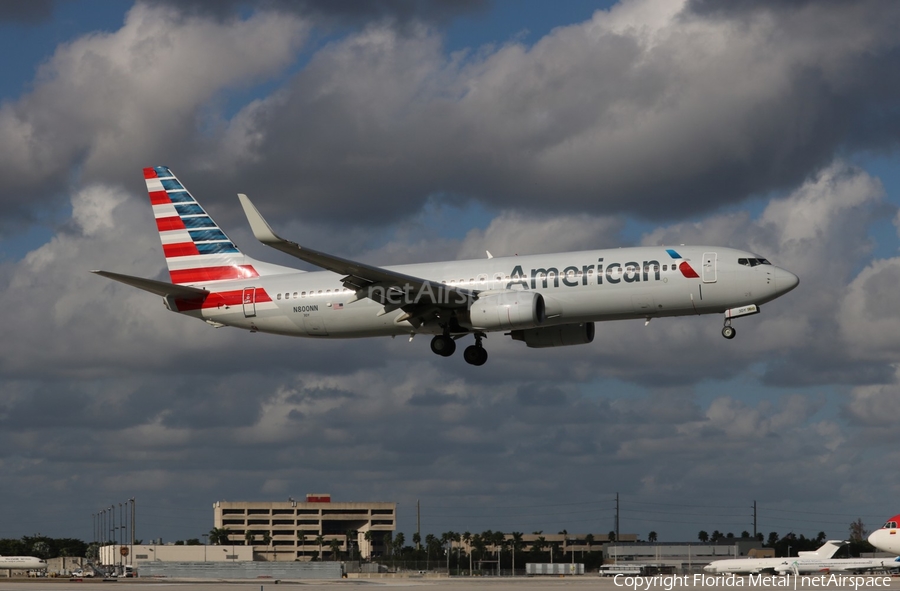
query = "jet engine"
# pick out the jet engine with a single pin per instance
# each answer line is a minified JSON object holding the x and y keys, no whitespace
{"x":508,"y":309}
{"x":562,"y":335}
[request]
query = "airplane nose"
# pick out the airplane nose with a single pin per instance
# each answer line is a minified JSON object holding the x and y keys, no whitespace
{"x":708,"y":568}
{"x":873,"y":538}
{"x":785,"y":281}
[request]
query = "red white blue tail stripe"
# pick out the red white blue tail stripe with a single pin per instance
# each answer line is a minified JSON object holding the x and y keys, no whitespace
{"x":196,"y":249}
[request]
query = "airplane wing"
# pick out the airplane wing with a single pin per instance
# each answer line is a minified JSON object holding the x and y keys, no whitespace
{"x":418,"y":297}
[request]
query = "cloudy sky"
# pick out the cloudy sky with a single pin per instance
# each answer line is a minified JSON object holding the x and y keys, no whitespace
{"x":398,"y":131}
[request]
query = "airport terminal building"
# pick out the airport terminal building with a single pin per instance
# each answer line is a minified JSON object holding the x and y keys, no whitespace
{"x":303,"y":530}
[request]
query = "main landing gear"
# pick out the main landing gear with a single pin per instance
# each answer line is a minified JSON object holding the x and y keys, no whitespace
{"x":444,"y":345}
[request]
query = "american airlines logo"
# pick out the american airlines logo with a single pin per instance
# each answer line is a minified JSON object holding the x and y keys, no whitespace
{"x":572,"y":276}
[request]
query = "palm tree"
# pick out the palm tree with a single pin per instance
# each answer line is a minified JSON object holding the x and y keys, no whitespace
{"x":516,"y":542}
{"x":352,"y":537}
{"x":218,"y":536}
{"x":248,"y":538}
{"x":429,"y":544}
{"x":267,"y":540}
{"x":399,"y":540}
{"x":467,"y":538}
{"x":335,"y":548}
{"x":301,"y":541}
{"x":367,"y":536}
{"x":703,"y":536}
{"x":498,"y":539}
{"x":320,"y":539}
{"x":589,"y":539}
{"x":651,"y":537}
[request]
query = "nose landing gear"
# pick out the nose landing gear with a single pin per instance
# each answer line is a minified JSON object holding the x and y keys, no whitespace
{"x":728,"y":331}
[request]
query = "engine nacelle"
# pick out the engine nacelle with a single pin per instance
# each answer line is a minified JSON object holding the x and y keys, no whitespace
{"x":563,"y":335}
{"x":508,"y":309}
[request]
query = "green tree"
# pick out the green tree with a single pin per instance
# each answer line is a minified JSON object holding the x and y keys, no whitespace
{"x":515,"y":543}
{"x":611,"y":536}
{"x":335,"y":548}
{"x":218,"y":536}
{"x":320,"y":539}
{"x":651,"y":537}
{"x":41,"y":549}
{"x":858,"y":531}
{"x":367,"y":536}
{"x":267,"y":540}
{"x":429,"y":548}
{"x":399,"y":540}
{"x":703,"y":536}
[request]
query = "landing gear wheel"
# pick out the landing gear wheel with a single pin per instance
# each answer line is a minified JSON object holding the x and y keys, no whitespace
{"x":728,"y":332}
{"x":443,"y":345}
{"x":475,"y":355}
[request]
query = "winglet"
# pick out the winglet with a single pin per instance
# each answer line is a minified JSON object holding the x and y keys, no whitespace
{"x":260,"y":227}
{"x":489,"y":255}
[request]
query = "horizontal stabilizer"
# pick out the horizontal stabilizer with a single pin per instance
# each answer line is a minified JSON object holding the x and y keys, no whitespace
{"x":160,"y":288}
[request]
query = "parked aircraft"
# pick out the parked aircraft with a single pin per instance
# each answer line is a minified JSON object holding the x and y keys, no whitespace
{"x":887,"y":538}
{"x":845,"y":565}
{"x":22,"y":563}
{"x":771,"y":565}
{"x":549,"y":300}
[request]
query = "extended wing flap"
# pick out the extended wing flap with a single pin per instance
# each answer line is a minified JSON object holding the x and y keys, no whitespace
{"x":377,"y":283}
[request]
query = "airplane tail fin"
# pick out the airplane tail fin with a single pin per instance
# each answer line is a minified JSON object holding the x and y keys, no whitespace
{"x":827,"y":550}
{"x":197,"y":251}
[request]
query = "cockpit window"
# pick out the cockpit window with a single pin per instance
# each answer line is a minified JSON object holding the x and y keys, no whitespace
{"x":890,"y":525}
{"x":753,"y":262}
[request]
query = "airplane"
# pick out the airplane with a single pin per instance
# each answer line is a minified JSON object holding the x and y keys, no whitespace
{"x":22,"y":563}
{"x":887,"y":538}
{"x":847,"y":565}
{"x":549,"y":300}
{"x":771,"y":565}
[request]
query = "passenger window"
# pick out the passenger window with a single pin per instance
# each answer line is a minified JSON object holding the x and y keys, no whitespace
{"x":302,"y":294}
{"x":320,"y":292}
{"x":279,"y":297}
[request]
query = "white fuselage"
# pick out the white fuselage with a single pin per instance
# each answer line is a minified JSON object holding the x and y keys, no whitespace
{"x":22,"y":563}
{"x":853,"y":565}
{"x":586,"y":286}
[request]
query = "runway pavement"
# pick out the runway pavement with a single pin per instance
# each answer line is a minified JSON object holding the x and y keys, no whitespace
{"x":820,"y":582}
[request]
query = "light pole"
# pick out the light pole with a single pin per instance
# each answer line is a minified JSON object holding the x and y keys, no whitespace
{"x":205,"y":536}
